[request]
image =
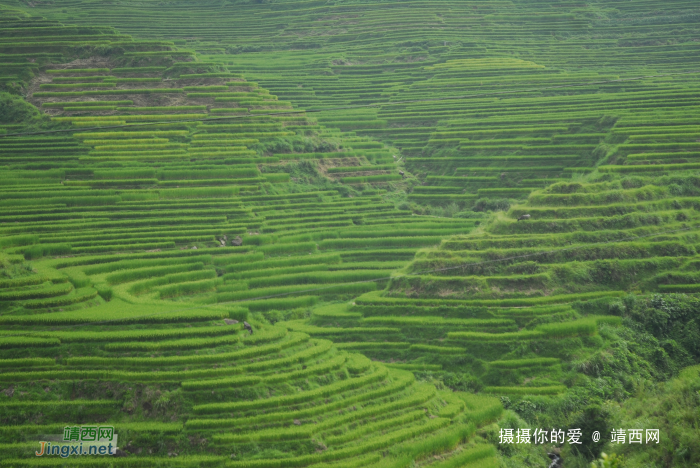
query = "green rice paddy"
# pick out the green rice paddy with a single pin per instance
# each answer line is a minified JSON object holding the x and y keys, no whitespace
{"x":434,"y":215}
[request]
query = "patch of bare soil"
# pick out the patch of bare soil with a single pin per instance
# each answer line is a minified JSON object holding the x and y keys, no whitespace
{"x":139,"y":100}
{"x":325,"y":164}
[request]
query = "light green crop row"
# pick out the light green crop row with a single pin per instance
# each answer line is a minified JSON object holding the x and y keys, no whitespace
{"x":96,"y":84}
{"x":374,"y":298}
{"x":185,"y":360}
{"x":438,"y":321}
{"x":676,"y":155}
{"x":130,"y":118}
{"x":49,"y":291}
{"x":26,"y":362}
{"x":477,"y":337}
{"x":87,"y":103}
{"x":151,"y":274}
{"x":437,"y":349}
{"x":327,"y":366}
{"x":201,"y":285}
{"x":89,"y":108}
{"x":650,"y":167}
{"x":162,"y":108}
{"x":134,"y":134}
{"x":118,"y":314}
{"x":80,"y":295}
{"x":27,"y":281}
{"x":329,"y":289}
{"x":198,"y":343}
{"x":398,"y":421}
{"x":228,"y":110}
{"x":128,"y":335}
{"x":517,"y":363}
{"x":127,"y":142}
{"x":77,"y":70}
{"x":679,"y":288}
{"x":285,"y":400}
{"x":376,"y":443}
{"x":319,"y":278}
{"x":50,"y":403}
{"x":160,"y":53}
{"x":132,"y":80}
{"x":108,"y":92}
{"x":400,"y":381}
{"x":260,"y":264}
{"x":388,"y":242}
{"x":27,"y":342}
{"x":211,"y":75}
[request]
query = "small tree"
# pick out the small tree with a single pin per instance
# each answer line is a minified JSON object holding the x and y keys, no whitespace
{"x":593,"y":418}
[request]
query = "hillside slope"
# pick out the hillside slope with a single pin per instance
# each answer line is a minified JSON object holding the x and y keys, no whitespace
{"x":542,"y":76}
{"x":545,"y":304}
{"x":137,"y":244}
{"x":582,"y":116}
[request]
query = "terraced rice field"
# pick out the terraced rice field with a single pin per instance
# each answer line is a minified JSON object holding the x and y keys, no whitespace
{"x":192,"y":169}
{"x":132,"y":256}
{"x":542,"y":78}
{"x":493,"y":294}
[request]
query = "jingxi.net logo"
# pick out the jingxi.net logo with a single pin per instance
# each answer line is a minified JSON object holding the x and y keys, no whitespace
{"x":81,"y":440}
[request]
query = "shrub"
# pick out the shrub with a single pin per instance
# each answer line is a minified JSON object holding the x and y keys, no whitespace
{"x":491,"y":204}
{"x":553,"y":390}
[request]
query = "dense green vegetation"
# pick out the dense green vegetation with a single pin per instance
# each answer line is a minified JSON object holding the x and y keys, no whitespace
{"x":543,"y":76}
{"x":671,"y":406}
{"x":404,"y":306}
{"x":131,"y":256}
